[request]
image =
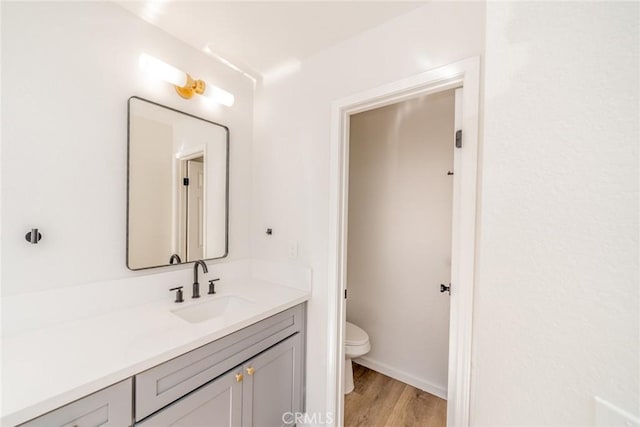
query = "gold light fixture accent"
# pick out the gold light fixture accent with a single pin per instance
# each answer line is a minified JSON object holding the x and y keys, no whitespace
{"x":184,"y":84}
{"x":192,"y":86}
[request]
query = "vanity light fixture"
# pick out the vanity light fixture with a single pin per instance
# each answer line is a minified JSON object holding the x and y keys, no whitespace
{"x":185,"y":85}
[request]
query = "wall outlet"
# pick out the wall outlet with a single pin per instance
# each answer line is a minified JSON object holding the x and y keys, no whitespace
{"x":293,"y":250}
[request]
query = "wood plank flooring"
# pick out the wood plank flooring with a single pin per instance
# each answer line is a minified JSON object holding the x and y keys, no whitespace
{"x":380,"y":401}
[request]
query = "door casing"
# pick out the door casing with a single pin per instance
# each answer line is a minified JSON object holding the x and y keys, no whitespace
{"x":180,"y":198}
{"x":465,"y":74}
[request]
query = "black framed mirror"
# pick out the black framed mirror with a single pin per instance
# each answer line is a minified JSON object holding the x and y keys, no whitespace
{"x":177,"y":187}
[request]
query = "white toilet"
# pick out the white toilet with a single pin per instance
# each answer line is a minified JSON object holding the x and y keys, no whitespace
{"x":356,"y":344}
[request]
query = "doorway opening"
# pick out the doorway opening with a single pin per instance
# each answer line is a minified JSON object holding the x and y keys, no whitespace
{"x":400,"y":213}
{"x":190,"y":203}
{"x":464,"y":75}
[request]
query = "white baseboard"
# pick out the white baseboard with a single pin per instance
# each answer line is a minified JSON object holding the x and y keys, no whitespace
{"x":405,"y":377}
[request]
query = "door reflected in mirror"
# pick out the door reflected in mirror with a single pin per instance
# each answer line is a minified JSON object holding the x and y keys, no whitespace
{"x":177,"y":207}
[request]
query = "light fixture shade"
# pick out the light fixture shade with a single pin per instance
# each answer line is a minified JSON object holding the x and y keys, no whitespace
{"x":184,"y":84}
{"x":161,"y":70}
{"x":218,"y":95}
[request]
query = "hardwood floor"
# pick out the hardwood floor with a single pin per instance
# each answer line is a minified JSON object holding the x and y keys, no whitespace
{"x":380,"y":401}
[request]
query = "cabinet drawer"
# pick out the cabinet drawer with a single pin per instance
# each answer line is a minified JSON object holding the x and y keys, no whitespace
{"x":111,"y":406}
{"x":165,"y":383}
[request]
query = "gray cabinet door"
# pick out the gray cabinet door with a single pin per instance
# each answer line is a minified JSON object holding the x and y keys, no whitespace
{"x":217,"y":404}
{"x":272,"y":385}
{"x":108,"y":407}
{"x":168,"y":382}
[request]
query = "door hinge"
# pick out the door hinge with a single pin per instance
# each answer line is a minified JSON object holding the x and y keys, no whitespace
{"x":345,"y":294}
{"x":459,"y":138}
{"x":185,"y":181}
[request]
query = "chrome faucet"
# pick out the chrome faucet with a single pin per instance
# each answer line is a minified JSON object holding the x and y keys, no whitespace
{"x":176,"y":258}
{"x":196,"y":285}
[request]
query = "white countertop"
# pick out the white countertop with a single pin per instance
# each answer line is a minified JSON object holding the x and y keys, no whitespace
{"x":48,"y":367}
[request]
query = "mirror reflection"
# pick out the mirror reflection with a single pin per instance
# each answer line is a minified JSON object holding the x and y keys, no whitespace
{"x":178,"y":187}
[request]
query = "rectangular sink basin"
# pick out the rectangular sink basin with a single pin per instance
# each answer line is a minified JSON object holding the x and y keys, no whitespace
{"x":214,"y":307}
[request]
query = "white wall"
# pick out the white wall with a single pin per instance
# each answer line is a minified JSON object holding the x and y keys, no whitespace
{"x":67,"y":72}
{"x":292,"y":127}
{"x":399,"y":236}
{"x":556,"y":307}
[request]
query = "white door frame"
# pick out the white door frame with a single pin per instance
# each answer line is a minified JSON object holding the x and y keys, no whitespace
{"x":466,"y":74}
{"x":180,"y":237}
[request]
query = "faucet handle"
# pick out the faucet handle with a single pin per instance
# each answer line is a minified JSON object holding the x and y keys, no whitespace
{"x":212,"y":286}
{"x":178,"y":294}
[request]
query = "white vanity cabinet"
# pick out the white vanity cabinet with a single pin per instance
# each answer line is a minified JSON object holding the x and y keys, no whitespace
{"x":111,"y":406}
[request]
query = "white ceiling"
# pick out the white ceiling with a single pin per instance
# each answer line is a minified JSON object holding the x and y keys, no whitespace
{"x":263,"y":37}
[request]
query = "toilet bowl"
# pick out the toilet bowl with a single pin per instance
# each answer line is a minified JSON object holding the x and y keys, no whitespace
{"x":357,"y":344}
